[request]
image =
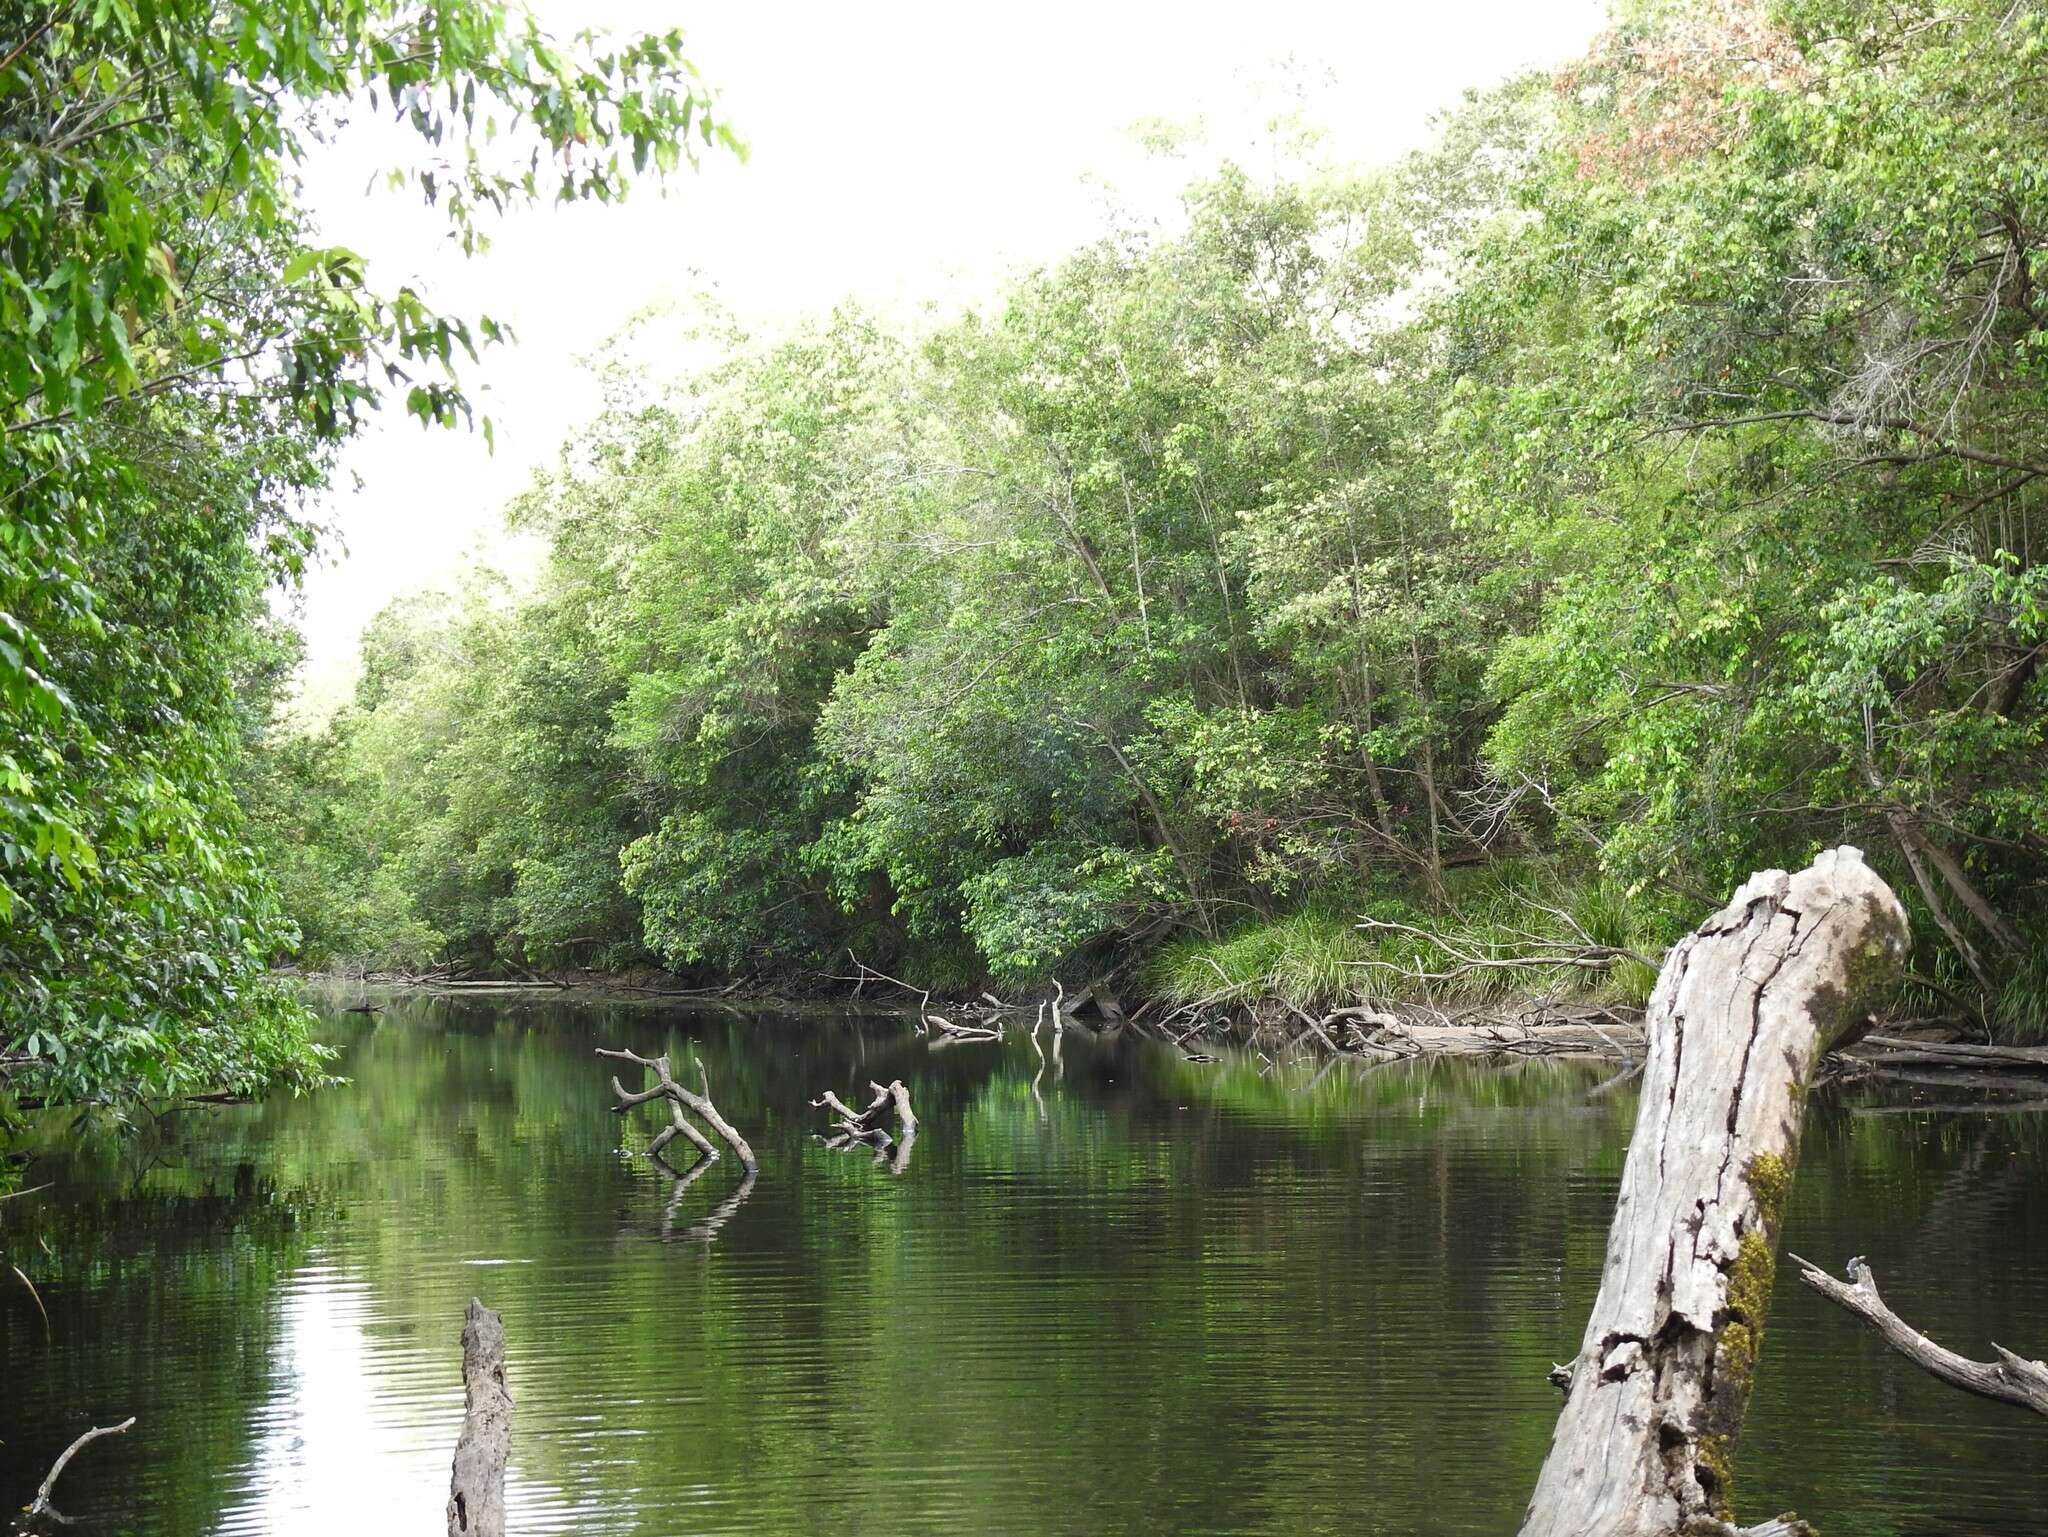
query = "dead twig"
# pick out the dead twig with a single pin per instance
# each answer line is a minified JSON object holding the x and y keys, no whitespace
{"x":38,"y":1296}
{"x":40,"y":1505}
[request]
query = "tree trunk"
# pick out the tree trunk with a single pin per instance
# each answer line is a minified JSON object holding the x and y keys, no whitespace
{"x":1744,"y":1010}
{"x":476,"y":1490}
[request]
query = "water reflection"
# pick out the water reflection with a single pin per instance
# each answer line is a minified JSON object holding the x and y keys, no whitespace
{"x":707,"y":1229}
{"x":1114,"y":1290}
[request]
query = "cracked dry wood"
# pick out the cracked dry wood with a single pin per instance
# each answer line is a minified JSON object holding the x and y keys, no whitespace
{"x":476,"y":1486}
{"x":1744,"y":1010}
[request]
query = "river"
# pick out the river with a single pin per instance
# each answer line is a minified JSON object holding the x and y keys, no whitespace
{"x":1120,"y":1292}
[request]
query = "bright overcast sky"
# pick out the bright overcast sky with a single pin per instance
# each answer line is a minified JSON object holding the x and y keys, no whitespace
{"x":900,"y":153}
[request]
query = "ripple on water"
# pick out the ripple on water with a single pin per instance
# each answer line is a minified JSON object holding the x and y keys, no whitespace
{"x":1152,"y":1298}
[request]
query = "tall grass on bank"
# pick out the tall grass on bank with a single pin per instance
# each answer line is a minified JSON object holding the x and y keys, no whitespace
{"x":1331,"y":954}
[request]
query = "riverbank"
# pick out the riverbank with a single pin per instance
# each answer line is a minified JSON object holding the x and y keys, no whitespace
{"x":1912,"y":1050}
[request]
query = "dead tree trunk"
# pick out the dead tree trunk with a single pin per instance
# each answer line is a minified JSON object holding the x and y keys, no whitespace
{"x":476,"y":1489}
{"x":1744,"y":1010}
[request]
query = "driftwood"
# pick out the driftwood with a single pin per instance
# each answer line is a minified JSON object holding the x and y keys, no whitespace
{"x":40,"y":1508}
{"x":926,"y":1019}
{"x":476,"y":1487}
{"x":2011,"y":1379}
{"x":888,"y":1096}
{"x":680,"y":1099}
{"x":941,"y":1033}
{"x":1743,"y":1011}
{"x":1417,"y":1040}
{"x":865,"y":1127}
{"x":1898,"y":1051}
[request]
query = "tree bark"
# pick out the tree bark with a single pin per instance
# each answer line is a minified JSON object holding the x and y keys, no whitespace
{"x":476,"y":1488}
{"x":1744,"y":1010}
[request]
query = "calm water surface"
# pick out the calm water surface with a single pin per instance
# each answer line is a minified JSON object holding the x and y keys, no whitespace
{"x":1121,"y":1294}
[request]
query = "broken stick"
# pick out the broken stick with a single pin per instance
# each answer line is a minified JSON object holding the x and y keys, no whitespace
{"x":40,"y":1505}
{"x":2011,"y":1379}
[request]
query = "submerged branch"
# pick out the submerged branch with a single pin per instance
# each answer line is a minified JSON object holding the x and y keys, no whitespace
{"x":40,"y":1505}
{"x":680,"y":1099}
{"x":2011,"y":1379}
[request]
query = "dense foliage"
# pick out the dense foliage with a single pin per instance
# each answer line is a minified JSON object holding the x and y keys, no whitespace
{"x":1505,"y":551}
{"x":179,"y":357}
{"x":1640,"y":487}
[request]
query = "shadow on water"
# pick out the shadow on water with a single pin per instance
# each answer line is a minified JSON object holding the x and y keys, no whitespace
{"x":1113,"y":1291}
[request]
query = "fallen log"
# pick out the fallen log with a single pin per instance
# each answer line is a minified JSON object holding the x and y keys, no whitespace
{"x":1504,"y":1038}
{"x":1899,"y":1051}
{"x":949,"y":1031}
{"x":680,"y":1099}
{"x":2011,"y":1379}
{"x":1743,"y":1012}
{"x":476,"y":1486}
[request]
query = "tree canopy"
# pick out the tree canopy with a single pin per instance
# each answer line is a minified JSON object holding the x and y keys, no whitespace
{"x":1505,"y":550}
{"x":180,"y":355}
{"x":1637,"y":487}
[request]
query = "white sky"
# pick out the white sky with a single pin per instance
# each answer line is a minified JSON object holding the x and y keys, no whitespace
{"x":901,"y":153}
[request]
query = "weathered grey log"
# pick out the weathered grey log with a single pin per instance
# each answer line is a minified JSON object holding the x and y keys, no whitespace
{"x":40,"y":1505}
{"x":906,"y":1120}
{"x":476,"y":1487}
{"x":1743,"y":1011}
{"x":1890,"y":1050}
{"x":2011,"y":1379}
{"x":1502,"y":1038}
{"x":679,"y":1099}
